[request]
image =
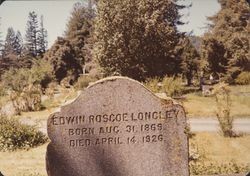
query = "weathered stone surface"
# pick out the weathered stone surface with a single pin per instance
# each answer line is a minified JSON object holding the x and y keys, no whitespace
{"x":116,"y":127}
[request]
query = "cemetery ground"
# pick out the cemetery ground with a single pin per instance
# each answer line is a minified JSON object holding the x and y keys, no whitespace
{"x":210,"y":152}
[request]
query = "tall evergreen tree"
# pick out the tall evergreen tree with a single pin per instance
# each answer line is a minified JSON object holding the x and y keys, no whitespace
{"x":18,"y":44}
{"x":1,"y":42}
{"x":137,"y":38}
{"x":79,"y":28}
{"x":229,"y":34}
{"x":9,"y":45}
{"x":31,"y":34}
{"x":42,"y":43}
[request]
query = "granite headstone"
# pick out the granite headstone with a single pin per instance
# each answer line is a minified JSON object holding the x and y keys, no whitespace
{"x":117,"y":127}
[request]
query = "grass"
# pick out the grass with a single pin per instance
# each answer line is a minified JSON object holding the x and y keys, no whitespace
{"x":218,"y":155}
{"x":24,"y":162}
{"x":212,"y":149}
{"x":217,"y":148}
{"x":59,"y":99}
{"x":197,"y":105}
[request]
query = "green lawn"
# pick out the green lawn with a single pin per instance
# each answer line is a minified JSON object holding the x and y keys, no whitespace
{"x":198,"y":106}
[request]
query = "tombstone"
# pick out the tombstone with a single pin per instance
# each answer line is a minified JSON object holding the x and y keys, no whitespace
{"x":117,"y":127}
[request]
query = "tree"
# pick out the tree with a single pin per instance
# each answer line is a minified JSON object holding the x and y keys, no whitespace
{"x":214,"y":53}
{"x":229,"y":33}
{"x":31,"y":34}
{"x":79,"y":29}
{"x":42,"y":42}
{"x":9,"y":45}
{"x":62,"y":57}
{"x":1,"y":43}
{"x":190,"y":60}
{"x":238,"y":52}
{"x":18,"y":44}
{"x":137,"y":38}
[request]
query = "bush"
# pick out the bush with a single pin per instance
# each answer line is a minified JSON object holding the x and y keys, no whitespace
{"x":243,"y":78}
{"x":223,"y":103}
{"x":170,"y":85}
{"x":26,"y":85}
{"x":29,"y":99}
{"x":16,"y":79}
{"x":173,"y":86}
{"x":51,"y":89}
{"x":14,"y":135}
{"x":83,"y":82}
{"x":153,"y":84}
{"x":41,"y":73}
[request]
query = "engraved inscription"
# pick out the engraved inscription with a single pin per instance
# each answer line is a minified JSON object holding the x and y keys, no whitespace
{"x":118,"y":134}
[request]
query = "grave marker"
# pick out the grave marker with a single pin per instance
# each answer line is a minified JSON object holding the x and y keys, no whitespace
{"x":117,"y":127}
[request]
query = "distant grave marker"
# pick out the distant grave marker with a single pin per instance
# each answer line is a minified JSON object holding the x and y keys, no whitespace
{"x":117,"y":127}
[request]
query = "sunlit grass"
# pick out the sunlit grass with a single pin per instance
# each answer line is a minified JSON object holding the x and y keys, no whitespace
{"x":216,"y":154}
{"x":197,"y":105}
{"x":23,"y":162}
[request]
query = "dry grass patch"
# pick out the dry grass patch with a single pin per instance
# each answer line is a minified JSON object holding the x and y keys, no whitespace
{"x":214,"y":154}
{"x":24,"y":162}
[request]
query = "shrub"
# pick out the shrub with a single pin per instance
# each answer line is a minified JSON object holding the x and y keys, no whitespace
{"x":26,"y":86}
{"x":14,"y":135}
{"x":172,"y":86}
{"x":29,"y":99}
{"x":51,"y":89}
{"x":223,"y":103}
{"x":16,"y":79}
{"x":153,"y":84}
{"x":83,"y":81}
{"x":41,"y":73}
{"x":243,"y":78}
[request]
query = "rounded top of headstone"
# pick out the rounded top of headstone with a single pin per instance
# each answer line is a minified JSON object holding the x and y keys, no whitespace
{"x":121,"y":80}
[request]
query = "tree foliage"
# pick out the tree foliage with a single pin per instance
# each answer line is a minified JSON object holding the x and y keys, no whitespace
{"x":79,"y":28}
{"x":227,"y":45}
{"x":63,"y":59}
{"x":1,"y":42}
{"x":36,"y":36}
{"x":42,"y":43}
{"x":190,"y":60}
{"x":9,"y":46}
{"x":137,"y":38}
{"x":31,"y":34}
{"x":39,"y":74}
{"x":13,"y":43}
{"x":18,"y":43}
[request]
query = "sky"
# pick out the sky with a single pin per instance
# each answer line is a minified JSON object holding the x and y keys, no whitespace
{"x":56,"y":14}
